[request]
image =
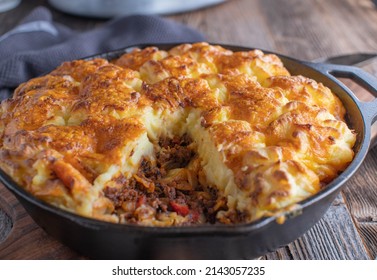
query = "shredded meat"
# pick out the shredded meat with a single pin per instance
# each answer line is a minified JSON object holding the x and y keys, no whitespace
{"x":174,"y":152}
{"x":166,"y":185}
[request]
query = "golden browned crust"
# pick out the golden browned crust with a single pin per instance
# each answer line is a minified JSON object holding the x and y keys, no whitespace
{"x":87,"y":136}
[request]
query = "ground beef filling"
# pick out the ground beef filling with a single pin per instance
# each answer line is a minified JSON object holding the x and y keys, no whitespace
{"x":173,"y":185}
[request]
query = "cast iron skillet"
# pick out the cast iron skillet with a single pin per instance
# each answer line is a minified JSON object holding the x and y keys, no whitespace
{"x":98,"y":239}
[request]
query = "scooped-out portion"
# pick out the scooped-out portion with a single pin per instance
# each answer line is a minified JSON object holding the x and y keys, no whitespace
{"x":170,"y":188}
{"x":197,"y":134}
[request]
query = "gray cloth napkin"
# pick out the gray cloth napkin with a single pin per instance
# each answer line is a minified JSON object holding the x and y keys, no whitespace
{"x":38,"y":44}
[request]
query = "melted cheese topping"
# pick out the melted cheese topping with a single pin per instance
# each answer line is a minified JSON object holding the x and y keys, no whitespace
{"x":265,"y":140}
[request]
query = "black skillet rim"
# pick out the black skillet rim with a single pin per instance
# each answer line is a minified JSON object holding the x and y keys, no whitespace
{"x":218,"y":229}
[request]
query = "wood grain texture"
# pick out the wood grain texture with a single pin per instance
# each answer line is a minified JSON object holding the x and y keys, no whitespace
{"x":305,"y":29}
{"x":334,"y":237}
{"x":26,"y":239}
{"x":11,"y":18}
{"x":5,"y":224}
{"x":361,"y":200}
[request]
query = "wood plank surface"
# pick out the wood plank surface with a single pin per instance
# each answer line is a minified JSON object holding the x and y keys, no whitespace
{"x":305,"y":29}
{"x":361,"y":199}
{"x":5,"y":224}
{"x":335,"y":237}
{"x":26,"y":239}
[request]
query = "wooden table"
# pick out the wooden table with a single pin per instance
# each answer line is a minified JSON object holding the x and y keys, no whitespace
{"x":304,"y":29}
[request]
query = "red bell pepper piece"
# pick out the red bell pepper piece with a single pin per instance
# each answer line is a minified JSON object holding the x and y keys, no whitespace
{"x":181,"y":209}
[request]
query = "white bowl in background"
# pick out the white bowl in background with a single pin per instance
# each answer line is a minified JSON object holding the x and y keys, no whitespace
{"x":113,"y":8}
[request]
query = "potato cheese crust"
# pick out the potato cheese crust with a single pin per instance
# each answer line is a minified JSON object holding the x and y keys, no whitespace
{"x":197,"y":134}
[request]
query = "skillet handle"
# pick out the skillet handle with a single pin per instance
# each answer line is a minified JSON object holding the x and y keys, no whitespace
{"x":362,"y":78}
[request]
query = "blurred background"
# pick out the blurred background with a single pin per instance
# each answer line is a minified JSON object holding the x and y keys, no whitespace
{"x":306,"y":29}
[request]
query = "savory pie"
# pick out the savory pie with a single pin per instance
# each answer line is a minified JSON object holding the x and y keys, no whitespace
{"x":196,"y":134}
